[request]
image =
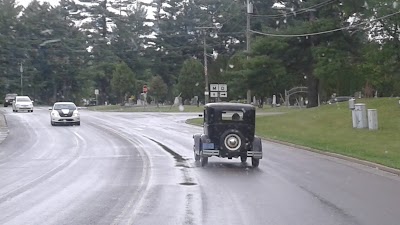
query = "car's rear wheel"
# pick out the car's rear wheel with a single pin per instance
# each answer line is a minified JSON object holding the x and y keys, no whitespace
{"x":255,"y":162}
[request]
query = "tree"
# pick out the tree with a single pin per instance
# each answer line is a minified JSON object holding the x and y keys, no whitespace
{"x":191,"y":79}
{"x":158,"y":89}
{"x":131,"y":34}
{"x":54,"y":52}
{"x":123,"y":81}
{"x":267,"y":66}
{"x":11,"y":47}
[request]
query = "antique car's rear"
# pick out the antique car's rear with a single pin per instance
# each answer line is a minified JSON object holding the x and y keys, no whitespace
{"x":228,"y":133}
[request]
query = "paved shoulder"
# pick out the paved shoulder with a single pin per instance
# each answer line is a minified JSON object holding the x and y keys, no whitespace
{"x":3,"y":127}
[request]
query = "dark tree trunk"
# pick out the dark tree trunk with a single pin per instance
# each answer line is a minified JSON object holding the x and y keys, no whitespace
{"x":312,"y":95}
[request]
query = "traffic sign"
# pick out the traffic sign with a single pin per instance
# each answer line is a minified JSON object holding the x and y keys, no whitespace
{"x":96,"y":91}
{"x":144,"y":88}
{"x":222,"y":87}
{"x":214,"y":87}
{"x":219,"y":90}
{"x":214,"y":94}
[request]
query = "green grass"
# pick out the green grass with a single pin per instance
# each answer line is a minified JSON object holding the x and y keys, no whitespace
{"x":329,"y":128}
{"x":187,"y":108}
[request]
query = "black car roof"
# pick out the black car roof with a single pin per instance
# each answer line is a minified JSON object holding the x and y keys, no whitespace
{"x":230,"y":106}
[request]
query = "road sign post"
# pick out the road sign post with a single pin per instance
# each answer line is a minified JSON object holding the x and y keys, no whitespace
{"x":218,"y":91}
{"x":96,"y":92}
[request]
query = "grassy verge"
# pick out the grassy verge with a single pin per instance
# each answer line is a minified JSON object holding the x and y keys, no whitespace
{"x":186,"y":108}
{"x":329,"y":128}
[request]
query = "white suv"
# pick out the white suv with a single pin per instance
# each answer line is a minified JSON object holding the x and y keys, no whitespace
{"x":64,"y":113}
{"x":22,"y":103}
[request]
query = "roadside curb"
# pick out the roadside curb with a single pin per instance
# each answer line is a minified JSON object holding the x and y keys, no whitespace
{"x":3,"y":127}
{"x":335,"y":155}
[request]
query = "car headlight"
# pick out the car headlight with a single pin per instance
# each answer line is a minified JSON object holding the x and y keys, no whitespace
{"x":76,"y":113}
{"x":55,"y":113}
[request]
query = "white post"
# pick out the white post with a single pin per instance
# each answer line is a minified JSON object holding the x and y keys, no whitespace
{"x":354,"y":117}
{"x":352,"y":103}
{"x":273,"y":100}
{"x":372,"y":119}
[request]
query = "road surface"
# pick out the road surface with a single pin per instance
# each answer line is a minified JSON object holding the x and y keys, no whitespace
{"x":138,"y":168}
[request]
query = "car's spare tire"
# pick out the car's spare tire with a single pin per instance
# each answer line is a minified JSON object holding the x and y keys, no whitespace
{"x":232,"y":140}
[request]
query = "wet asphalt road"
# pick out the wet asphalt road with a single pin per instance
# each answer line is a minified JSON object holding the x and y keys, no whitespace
{"x":138,"y":168}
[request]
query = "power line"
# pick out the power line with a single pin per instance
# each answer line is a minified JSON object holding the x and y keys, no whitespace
{"x":323,"y":32}
{"x":294,"y":13}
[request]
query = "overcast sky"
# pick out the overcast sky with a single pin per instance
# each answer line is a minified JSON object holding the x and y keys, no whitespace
{"x":26,"y":2}
{"x":55,"y":2}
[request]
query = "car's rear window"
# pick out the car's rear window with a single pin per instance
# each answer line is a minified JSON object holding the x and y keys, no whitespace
{"x":26,"y":99}
{"x":232,"y":115}
{"x":64,"y":106}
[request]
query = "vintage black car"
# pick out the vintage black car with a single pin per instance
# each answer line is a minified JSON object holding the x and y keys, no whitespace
{"x":228,"y":133}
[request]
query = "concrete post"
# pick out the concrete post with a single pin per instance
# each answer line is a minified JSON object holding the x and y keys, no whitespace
{"x":361,"y":115}
{"x":372,"y":119}
{"x":352,"y":103}
{"x":354,"y":117}
{"x":273,"y":100}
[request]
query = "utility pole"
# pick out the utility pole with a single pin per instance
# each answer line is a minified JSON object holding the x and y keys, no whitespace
{"x":21,"y":69}
{"x":206,"y":89}
{"x":249,"y":10}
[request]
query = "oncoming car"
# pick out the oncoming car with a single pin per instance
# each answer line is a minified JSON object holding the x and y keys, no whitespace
{"x":21,"y":103}
{"x":64,"y":113}
{"x":228,"y":133}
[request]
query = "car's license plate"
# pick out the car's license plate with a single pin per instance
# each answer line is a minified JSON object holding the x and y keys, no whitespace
{"x":208,"y":145}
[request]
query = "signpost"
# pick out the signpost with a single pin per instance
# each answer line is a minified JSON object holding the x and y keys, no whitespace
{"x":96,"y":92}
{"x":218,"y":91}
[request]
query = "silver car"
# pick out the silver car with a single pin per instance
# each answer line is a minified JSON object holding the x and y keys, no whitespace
{"x":22,"y":103}
{"x":64,"y":113}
